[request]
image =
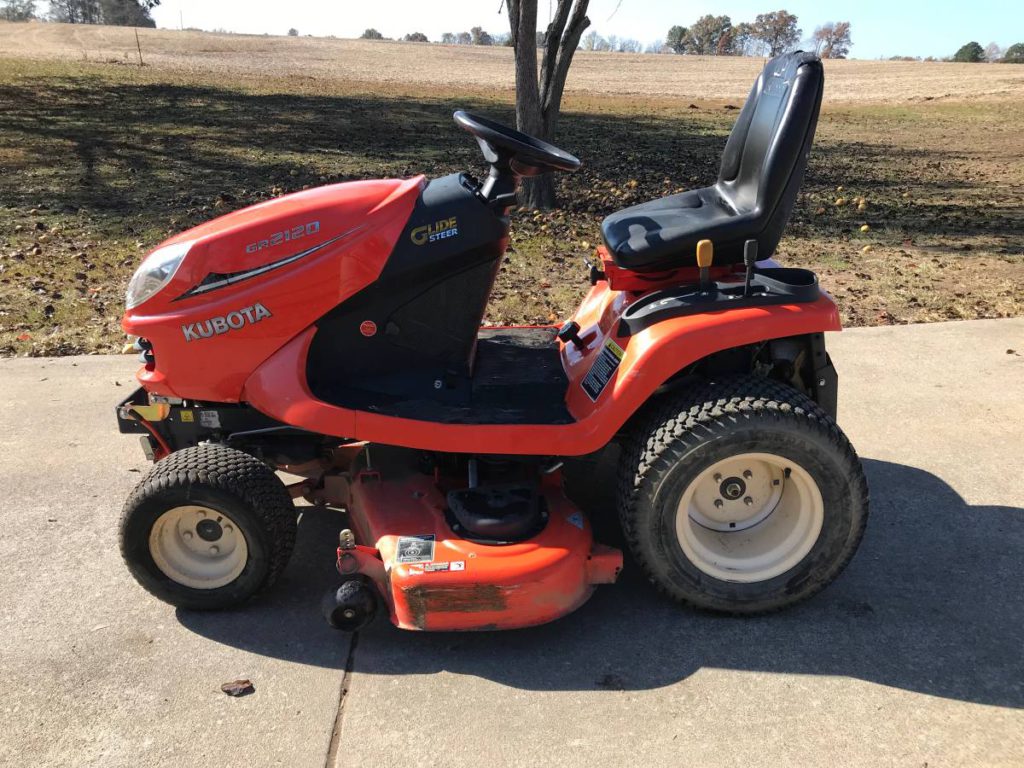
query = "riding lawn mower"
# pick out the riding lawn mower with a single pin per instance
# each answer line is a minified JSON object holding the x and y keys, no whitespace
{"x":334,"y":335}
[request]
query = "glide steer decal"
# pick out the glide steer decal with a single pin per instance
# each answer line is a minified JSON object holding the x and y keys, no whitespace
{"x":232,"y":321}
{"x":431,"y":233}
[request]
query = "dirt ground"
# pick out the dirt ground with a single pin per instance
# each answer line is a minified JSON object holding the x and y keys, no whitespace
{"x":102,"y":159}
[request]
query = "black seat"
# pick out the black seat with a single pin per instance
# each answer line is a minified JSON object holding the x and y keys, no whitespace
{"x":762,"y":168}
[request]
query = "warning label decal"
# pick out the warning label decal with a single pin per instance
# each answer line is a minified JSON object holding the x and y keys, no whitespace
{"x":415,"y":549}
{"x":603,"y":369}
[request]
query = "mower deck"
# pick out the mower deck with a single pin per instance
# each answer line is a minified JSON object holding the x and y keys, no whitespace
{"x":435,"y":575}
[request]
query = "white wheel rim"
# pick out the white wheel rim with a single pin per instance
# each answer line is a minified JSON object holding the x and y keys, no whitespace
{"x":198,"y":547}
{"x":750,"y":517}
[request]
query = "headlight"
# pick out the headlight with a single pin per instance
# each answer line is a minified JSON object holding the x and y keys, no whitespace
{"x":155,"y":272}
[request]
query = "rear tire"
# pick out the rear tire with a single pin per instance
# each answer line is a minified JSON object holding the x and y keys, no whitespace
{"x":208,"y":527}
{"x":741,"y":496}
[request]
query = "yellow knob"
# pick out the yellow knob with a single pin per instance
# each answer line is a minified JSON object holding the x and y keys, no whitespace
{"x":705,"y":253}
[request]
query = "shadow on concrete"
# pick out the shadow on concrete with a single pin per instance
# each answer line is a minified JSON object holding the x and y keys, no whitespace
{"x":932,"y":603}
{"x":286,"y":622}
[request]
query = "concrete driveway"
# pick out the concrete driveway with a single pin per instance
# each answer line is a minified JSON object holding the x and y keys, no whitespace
{"x":915,"y":656}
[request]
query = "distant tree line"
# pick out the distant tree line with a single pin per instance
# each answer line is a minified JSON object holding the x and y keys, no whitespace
{"x":123,"y":13}
{"x":973,"y":53}
{"x":769,"y":34}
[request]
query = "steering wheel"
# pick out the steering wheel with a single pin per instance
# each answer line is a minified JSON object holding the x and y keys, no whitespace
{"x":506,"y":148}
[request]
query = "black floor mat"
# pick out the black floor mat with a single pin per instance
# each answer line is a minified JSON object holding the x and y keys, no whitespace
{"x":518,"y":379}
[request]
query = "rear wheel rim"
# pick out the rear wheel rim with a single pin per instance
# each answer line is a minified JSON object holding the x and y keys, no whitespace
{"x":750,"y":517}
{"x":198,"y":547}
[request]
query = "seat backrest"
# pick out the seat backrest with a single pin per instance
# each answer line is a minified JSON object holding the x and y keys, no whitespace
{"x":766,"y":154}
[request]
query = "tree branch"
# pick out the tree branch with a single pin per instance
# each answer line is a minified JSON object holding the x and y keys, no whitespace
{"x":552,"y":41}
{"x":552,"y":96}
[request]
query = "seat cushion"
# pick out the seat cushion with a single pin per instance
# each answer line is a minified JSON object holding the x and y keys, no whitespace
{"x":663,"y":234}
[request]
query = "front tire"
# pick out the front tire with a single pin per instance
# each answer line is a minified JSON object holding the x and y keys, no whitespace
{"x":208,"y":527}
{"x":741,"y":496}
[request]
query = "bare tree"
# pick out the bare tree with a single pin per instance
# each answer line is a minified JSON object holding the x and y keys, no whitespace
{"x":832,"y":40}
{"x":744,"y":39}
{"x":993,"y":52}
{"x":778,"y":31}
{"x":464,"y":38}
{"x":538,"y":100}
{"x":448,"y":39}
{"x":593,"y":41}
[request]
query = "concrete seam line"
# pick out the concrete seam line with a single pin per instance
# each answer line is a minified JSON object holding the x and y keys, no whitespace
{"x":335,"y":744}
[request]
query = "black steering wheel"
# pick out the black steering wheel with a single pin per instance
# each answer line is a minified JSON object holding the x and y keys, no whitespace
{"x":509,"y":149}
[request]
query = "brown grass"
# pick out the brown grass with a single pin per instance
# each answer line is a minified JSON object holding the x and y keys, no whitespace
{"x":476,"y":67}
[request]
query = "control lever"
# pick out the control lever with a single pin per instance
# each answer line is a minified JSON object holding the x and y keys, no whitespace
{"x":749,"y":259}
{"x":705,"y":255}
{"x":570,"y":331}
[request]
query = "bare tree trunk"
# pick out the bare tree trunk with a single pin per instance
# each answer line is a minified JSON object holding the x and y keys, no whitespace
{"x":538,"y":102}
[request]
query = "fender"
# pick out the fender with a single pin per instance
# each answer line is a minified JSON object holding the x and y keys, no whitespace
{"x":650,"y":358}
{"x":653,"y":356}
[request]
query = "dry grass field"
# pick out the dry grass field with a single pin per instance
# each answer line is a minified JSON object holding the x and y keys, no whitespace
{"x":490,"y":68}
{"x":101,"y":158}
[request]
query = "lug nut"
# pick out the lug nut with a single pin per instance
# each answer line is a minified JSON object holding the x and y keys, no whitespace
{"x":747,"y":500}
{"x":718,"y":477}
{"x":747,"y":474}
{"x":214,"y":550}
{"x":187,"y":535}
{"x":228,"y":528}
{"x":718,"y":503}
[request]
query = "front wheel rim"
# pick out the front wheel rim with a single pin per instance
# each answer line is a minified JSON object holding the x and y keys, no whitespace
{"x":198,"y":547}
{"x":749,"y":517}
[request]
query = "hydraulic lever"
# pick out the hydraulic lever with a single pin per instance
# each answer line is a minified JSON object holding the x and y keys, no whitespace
{"x":705,"y":255}
{"x":749,"y":259}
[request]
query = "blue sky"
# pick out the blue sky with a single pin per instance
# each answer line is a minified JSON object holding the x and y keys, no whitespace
{"x":880,"y":28}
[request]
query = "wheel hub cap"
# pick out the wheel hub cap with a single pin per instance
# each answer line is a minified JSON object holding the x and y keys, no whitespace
{"x":198,"y":547}
{"x":749,"y":517}
{"x":209,"y":530}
